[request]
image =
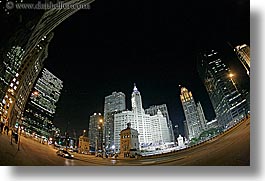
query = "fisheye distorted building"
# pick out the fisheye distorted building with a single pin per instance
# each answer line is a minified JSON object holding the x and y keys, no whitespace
{"x":95,"y":132}
{"x":193,"y":122}
{"x":228,"y":103}
{"x":153,"y":130}
{"x":152,"y":110}
{"x":243,"y":54}
{"x":41,"y":105}
{"x":129,"y":142}
{"x":36,"y":51}
{"x":113,"y":104}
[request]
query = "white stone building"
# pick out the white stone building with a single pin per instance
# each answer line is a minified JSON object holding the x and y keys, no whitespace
{"x":152,"y":129}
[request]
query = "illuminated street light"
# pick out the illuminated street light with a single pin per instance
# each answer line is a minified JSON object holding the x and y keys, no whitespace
{"x":35,"y":93}
{"x":231,"y":75}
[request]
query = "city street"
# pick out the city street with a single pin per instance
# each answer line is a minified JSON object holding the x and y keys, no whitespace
{"x":230,"y":148}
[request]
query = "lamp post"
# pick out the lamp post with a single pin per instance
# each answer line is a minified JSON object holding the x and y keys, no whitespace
{"x":19,"y":135}
{"x":231,"y":75}
{"x":100,"y":136}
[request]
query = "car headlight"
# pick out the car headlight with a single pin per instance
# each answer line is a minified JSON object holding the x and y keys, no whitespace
{"x":72,"y":155}
{"x":66,"y":155}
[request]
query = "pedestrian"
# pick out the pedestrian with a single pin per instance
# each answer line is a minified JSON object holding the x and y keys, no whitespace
{"x":16,"y":137}
{"x":1,"y":127}
{"x":6,"y":129}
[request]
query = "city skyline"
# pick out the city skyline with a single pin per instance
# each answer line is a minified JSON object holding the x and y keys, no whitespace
{"x":156,"y":48}
{"x":117,"y":77}
{"x":141,"y":50}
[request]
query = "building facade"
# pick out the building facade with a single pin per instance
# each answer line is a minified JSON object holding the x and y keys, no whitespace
{"x":152,"y":129}
{"x":202,"y":118}
{"x":113,"y":104}
{"x":36,"y":51}
{"x":142,"y":122}
{"x":193,"y":123}
{"x":152,"y":110}
{"x":41,"y":105}
{"x":95,"y":132}
{"x":20,"y":86}
{"x":83,"y":145}
{"x":11,"y":63}
{"x":228,"y":103}
{"x":129,"y":142}
{"x":120,"y":122}
{"x":160,"y":131}
{"x":243,"y":54}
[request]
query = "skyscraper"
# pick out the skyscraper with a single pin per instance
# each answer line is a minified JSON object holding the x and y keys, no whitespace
{"x":191,"y":114}
{"x":21,"y":85}
{"x":113,"y":104}
{"x":243,"y":54}
{"x":152,"y":110}
{"x":95,"y":132}
{"x":142,"y":121}
{"x":227,"y":101}
{"x":152,"y":130}
{"x":36,"y":51}
{"x":201,"y":115}
{"x":41,"y":105}
{"x":11,"y":63}
{"x":160,"y":132}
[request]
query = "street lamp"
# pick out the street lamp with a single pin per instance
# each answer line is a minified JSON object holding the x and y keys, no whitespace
{"x":35,"y":93}
{"x":231,"y":75}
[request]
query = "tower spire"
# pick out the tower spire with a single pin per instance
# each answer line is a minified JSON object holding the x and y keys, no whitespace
{"x":135,"y":88}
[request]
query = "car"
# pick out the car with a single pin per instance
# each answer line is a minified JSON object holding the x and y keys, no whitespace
{"x":64,"y":153}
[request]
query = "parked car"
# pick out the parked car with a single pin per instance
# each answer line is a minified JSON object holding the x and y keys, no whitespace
{"x":64,"y":153}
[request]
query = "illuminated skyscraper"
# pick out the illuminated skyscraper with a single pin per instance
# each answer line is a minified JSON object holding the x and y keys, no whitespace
{"x":152,"y":130}
{"x":41,"y":105}
{"x":201,"y":115}
{"x":228,"y":103}
{"x":191,"y":114}
{"x":36,"y":51}
{"x":152,"y":110}
{"x":95,"y":132}
{"x":11,"y":63}
{"x":114,"y":103}
{"x":243,"y":54}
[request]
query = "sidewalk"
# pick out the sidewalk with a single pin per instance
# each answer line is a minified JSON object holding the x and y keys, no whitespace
{"x":11,"y":156}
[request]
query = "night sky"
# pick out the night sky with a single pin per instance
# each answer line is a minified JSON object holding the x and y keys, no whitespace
{"x":151,"y":43}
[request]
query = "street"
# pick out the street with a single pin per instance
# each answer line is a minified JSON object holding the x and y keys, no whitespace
{"x":230,"y":148}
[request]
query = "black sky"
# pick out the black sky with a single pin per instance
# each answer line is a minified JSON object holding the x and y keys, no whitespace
{"x":151,"y":43}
